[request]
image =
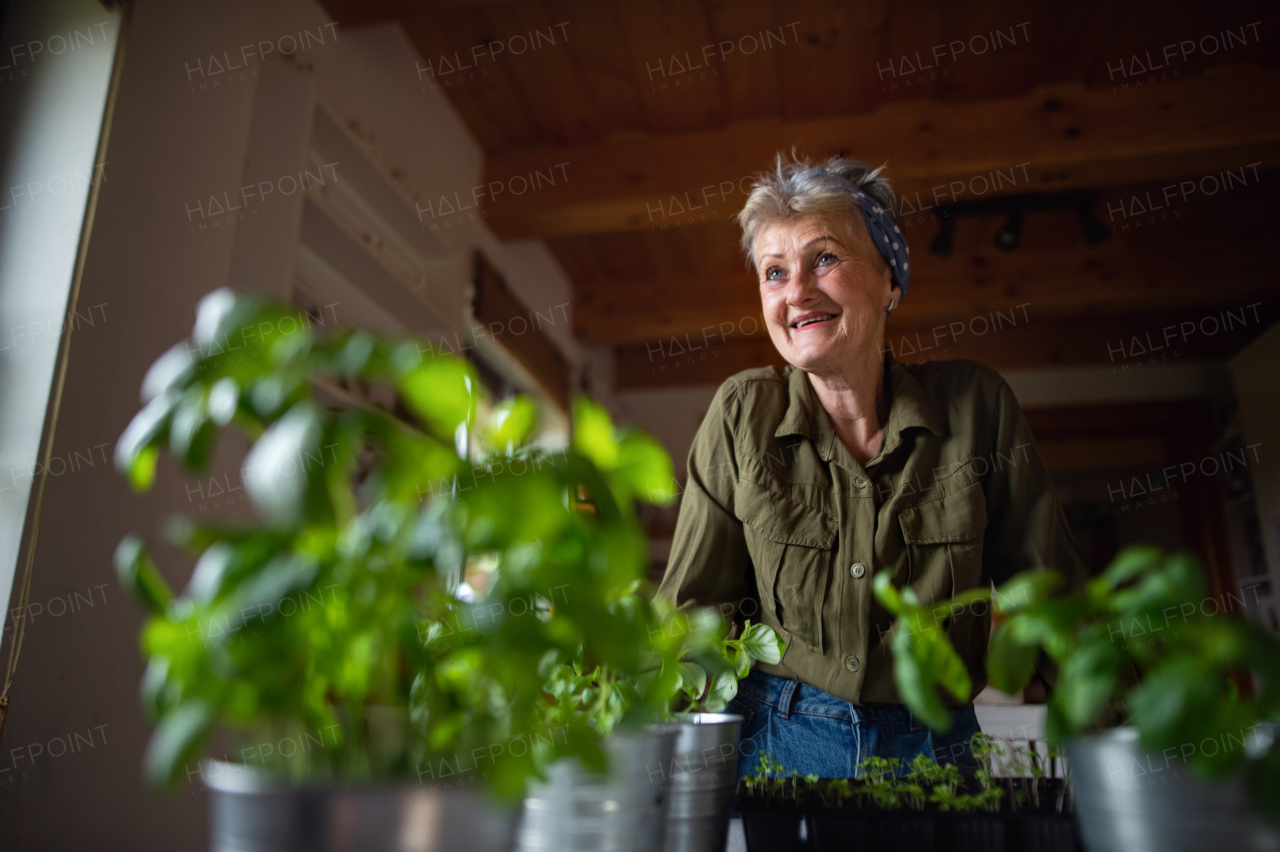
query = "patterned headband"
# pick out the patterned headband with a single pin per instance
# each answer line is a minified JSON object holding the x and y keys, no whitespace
{"x":884,"y":233}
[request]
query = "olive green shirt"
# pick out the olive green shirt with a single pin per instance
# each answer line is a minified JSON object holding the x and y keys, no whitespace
{"x":780,"y":524}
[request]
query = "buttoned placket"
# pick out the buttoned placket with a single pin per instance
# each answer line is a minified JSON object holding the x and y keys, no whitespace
{"x":854,"y":492}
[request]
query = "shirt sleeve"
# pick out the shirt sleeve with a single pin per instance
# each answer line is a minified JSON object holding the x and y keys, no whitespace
{"x":1026,"y":527}
{"x":709,"y":563}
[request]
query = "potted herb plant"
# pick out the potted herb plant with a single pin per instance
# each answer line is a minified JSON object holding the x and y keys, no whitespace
{"x":702,"y":774}
{"x":334,"y":617}
{"x":671,"y":786}
{"x":1196,"y":766}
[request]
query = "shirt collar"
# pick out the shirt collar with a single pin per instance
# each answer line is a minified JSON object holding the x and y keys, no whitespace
{"x":909,"y":407}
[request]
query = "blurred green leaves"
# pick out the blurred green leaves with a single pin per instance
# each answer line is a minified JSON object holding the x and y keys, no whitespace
{"x":924,"y":658}
{"x":633,"y":462}
{"x":337,"y":607}
{"x":138,"y":575}
{"x":1147,"y":633}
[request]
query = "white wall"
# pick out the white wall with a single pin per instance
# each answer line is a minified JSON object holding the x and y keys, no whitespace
{"x":54,"y":75}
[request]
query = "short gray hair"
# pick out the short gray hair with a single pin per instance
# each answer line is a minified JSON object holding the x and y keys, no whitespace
{"x":799,"y":187}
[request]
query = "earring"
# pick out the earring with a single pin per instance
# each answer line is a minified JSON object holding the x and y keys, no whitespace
{"x":889,"y":309}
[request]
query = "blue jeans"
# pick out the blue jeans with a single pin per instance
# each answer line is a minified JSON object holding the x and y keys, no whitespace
{"x":813,"y":732}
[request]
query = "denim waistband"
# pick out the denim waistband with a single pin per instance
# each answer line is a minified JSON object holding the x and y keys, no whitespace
{"x":783,"y":695}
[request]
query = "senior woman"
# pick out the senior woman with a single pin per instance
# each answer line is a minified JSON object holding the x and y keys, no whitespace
{"x":805,"y":484}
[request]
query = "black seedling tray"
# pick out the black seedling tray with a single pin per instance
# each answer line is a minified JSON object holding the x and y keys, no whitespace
{"x":771,"y":825}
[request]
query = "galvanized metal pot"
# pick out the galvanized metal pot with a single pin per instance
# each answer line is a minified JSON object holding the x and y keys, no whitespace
{"x":1130,"y":801}
{"x":700,"y":782}
{"x":624,"y":811}
{"x":253,"y":813}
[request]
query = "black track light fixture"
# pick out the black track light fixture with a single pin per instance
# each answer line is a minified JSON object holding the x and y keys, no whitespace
{"x":1095,"y":232}
{"x":1015,"y":207}
{"x":941,"y":245}
{"x":1010,"y":233}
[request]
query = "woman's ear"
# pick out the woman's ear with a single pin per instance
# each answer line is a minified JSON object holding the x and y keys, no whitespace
{"x":895,"y":294}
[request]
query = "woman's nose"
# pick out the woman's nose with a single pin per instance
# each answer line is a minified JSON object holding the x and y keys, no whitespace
{"x":803,"y":288}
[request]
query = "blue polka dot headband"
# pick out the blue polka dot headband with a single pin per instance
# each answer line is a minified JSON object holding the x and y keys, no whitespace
{"x":884,"y":233}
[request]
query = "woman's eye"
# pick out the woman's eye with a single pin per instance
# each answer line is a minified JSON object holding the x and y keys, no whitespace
{"x":826,"y":258}
{"x":772,"y":274}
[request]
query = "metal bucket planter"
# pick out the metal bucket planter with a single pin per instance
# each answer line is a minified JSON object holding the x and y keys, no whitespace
{"x":253,"y":813}
{"x":625,"y":811}
{"x":1130,"y":801}
{"x":700,"y":781}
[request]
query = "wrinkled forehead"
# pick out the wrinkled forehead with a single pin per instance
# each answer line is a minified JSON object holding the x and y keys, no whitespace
{"x":782,"y":239}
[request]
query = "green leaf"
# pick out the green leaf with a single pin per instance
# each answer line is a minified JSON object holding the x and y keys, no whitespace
{"x":1009,"y":664}
{"x":644,"y":469}
{"x":887,"y":593}
{"x":177,"y":740}
{"x":1087,"y":680}
{"x":593,"y":433}
{"x":224,"y":399}
{"x":1173,"y":699}
{"x":763,"y":643}
{"x":693,"y":679}
{"x":948,"y":669}
{"x":1050,"y":624}
{"x":142,"y":469}
{"x":154,"y":690}
{"x":170,"y":371}
{"x":441,"y":391}
{"x":1129,"y":563}
{"x":139,"y":576}
{"x":136,"y":451}
{"x":915,"y":685}
{"x":258,"y":598}
{"x":723,"y":689}
{"x":279,"y":471}
{"x":1025,"y":589}
{"x":191,"y":433}
{"x":512,"y":423}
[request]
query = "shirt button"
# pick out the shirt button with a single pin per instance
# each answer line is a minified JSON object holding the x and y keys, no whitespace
{"x":859,"y":481}
{"x":851,"y":663}
{"x":858,"y":569}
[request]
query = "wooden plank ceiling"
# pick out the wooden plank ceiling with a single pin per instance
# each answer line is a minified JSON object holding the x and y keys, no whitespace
{"x":659,"y":109}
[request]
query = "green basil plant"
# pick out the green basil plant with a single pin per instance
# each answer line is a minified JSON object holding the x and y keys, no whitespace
{"x":334,"y":616}
{"x":1140,"y":636}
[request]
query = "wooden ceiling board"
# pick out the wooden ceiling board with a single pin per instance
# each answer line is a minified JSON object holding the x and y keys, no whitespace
{"x":547,"y":75}
{"x":677,"y":86}
{"x":1133,"y":52}
{"x":751,"y":84}
{"x":831,"y":69}
{"x":1065,"y":139}
{"x":491,"y":103}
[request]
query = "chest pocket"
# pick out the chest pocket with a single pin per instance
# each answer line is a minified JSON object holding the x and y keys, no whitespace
{"x":944,"y":543}
{"x":793,"y":548}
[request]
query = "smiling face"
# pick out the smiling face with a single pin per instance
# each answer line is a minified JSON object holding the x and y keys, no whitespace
{"x":825,"y":292}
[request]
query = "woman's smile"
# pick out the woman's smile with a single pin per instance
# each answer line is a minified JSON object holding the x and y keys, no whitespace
{"x":812,"y":320}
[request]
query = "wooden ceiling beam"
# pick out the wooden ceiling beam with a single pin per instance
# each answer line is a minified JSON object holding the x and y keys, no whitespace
{"x":1044,"y":284}
{"x":1060,"y":138}
{"x":1125,"y":343}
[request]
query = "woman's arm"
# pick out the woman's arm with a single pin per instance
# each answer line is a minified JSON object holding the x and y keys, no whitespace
{"x":709,"y":563}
